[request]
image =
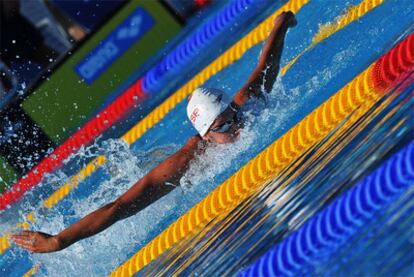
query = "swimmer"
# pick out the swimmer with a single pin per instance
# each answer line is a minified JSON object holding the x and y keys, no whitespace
{"x":216,"y":119}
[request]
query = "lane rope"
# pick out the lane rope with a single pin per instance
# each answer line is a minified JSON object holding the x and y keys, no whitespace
{"x":353,"y":209}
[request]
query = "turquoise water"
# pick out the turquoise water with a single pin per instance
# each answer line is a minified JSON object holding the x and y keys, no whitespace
{"x":383,"y":248}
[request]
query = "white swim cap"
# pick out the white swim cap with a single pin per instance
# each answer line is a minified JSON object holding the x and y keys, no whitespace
{"x":204,"y":105}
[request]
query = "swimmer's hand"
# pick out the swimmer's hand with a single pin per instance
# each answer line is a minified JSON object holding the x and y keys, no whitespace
{"x":288,"y":17}
{"x":36,"y":242}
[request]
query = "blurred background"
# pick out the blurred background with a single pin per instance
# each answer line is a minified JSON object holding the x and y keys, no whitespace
{"x":37,"y":33}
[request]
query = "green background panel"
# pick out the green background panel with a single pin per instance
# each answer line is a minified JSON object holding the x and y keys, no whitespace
{"x":63,"y":103}
{"x":7,"y":175}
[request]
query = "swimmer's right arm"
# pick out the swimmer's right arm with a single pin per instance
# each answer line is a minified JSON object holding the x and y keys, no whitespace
{"x":147,"y":190}
{"x":267,"y":68}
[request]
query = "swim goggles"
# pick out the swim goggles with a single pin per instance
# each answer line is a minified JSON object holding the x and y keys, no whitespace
{"x":225,"y":126}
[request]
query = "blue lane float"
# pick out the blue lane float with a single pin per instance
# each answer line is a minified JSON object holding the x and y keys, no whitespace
{"x":333,"y":226}
{"x":185,"y":52}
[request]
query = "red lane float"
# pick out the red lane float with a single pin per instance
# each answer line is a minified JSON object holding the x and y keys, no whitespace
{"x":394,"y":66}
{"x":84,"y":136}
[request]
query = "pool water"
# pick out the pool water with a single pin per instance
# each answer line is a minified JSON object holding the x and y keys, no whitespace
{"x":383,"y":247}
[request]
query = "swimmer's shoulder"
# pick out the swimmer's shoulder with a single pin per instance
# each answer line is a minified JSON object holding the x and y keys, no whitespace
{"x":196,"y":142}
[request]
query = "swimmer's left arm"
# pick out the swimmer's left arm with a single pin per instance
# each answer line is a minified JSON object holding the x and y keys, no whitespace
{"x":267,"y":68}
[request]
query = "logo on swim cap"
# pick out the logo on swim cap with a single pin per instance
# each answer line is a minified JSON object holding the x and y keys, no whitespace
{"x":194,"y":115}
{"x":204,"y":105}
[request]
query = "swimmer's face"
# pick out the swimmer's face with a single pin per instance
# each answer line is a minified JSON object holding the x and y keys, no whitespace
{"x":225,"y":129}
